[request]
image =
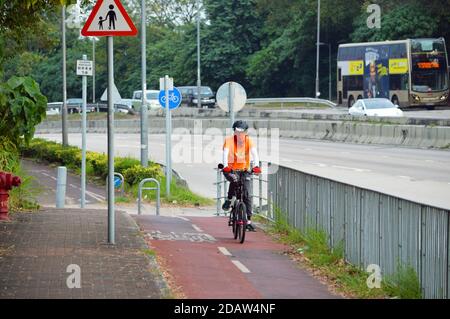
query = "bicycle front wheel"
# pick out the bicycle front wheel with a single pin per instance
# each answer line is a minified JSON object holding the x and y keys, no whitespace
{"x":242,"y":221}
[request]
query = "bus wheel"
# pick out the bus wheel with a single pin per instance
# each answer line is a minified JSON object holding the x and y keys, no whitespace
{"x":360,"y":97}
{"x":351,"y":101}
{"x":395,"y":100}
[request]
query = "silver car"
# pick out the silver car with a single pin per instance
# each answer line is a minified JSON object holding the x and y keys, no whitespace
{"x":375,"y":107}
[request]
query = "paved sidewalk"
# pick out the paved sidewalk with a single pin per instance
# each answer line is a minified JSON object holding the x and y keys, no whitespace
{"x":37,"y":248}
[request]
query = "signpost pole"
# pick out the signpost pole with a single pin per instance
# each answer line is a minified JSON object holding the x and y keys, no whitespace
{"x":65,"y":139}
{"x":230,"y":102}
{"x":111,"y":214}
{"x":168,"y":139}
{"x":119,"y":24}
{"x":83,"y":142}
{"x":144,"y":118}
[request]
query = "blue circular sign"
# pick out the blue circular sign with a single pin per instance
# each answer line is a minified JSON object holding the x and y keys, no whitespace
{"x":117,"y":181}
{"x":174,"y":98}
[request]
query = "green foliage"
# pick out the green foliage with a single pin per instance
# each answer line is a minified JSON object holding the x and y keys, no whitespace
{"x":137,"y":173}
{"x":231,"y":38}
{"x":23,"y":198}
{"x":99,"y":163}
{"x":404,"y":283}
{"x":266,"y":45}
{"x":9,"y":158}
{"x":22,"y":107}
{"x":398,"y":23}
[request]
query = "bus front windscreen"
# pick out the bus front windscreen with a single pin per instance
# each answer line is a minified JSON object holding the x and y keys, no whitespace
{"x":429,"y":65}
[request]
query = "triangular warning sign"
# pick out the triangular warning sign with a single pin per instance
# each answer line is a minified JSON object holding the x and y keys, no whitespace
{"x":109,"y":18}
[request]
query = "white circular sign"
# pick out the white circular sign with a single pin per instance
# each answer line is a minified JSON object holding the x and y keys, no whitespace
{"x":231,"y":92}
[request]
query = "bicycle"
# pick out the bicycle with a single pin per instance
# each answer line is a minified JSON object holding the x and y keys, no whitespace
{"x":238,"y":214}
{"x":172,"y":97}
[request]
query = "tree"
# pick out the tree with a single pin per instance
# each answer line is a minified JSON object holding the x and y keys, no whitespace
{"x":22,"y":107}
{"x":231,"y":36}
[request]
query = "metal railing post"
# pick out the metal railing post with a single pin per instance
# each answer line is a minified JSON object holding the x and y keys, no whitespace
{"x":260,"y":188}
{"x":219,"y":184}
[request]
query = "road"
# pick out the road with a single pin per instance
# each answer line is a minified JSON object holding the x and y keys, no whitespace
{"x":416,"y":174}
{"x":438,"y":113}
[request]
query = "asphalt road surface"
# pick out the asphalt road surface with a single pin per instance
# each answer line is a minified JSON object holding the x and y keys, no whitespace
{"x":416,"y":174}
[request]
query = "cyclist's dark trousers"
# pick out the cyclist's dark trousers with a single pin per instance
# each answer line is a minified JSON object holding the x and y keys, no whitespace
{"x":233,"y":178}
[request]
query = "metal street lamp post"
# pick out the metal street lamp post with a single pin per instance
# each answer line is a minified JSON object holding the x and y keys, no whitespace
{"x":329,"y":68}
{"x":199,"y":97}
{"x":316,"y":93}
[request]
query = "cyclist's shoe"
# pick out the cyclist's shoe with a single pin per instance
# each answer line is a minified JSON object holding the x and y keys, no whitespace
{"x":250,"y":227}
{"x":226,"y":206}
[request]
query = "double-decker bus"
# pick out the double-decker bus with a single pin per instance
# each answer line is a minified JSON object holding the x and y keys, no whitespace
{"x":412,"y":72}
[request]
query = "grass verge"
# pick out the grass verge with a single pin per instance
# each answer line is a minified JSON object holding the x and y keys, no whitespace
{"x":311,"y":249}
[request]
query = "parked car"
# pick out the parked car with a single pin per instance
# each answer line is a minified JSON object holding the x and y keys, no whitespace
{"x":375,"y":107}
{"x":54,"y":108}
{"x":189,"y":96}
{"x":152,"y":100}
{"x":75,"y":105}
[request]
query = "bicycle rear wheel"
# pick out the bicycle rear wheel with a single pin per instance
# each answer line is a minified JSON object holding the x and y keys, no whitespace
{"x":242,"y":221}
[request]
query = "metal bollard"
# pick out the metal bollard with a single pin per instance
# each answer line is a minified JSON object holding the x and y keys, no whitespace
{"x":61,"y":187}
{"x":158,"y":193}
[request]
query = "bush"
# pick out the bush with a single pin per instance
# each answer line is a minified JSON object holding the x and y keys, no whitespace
{"x":99,"y":163}
{"x":69,"y":156}
{"x":137,"y":173}
{"x":9,"y":158}
{"x":121,"y":164}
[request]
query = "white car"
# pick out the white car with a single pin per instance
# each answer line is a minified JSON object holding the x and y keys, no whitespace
{"x":375,"y":107}
{"x":54,"y":108}
{"x":152,"y":100}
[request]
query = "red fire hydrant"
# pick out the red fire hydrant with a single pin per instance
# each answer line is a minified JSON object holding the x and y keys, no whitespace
{"x":7,"y":182}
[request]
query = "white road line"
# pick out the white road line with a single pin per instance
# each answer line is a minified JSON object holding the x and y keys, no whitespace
{"x":185,"y":219}
{"x":74,"y":186}
{"x":197,"y":228}
{"x":407,"y":177}
{"x":48,"y":175}
{"x":429,"y":161}
{"x":320,"y":164}
{"x":240,"y":266}
{"x":224,"y":251}
{"x":96,"y":196}
{"x":359,"y":170}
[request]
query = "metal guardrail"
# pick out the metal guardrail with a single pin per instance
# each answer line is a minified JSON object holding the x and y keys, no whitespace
{"x":158,"y":193}
{"x":291,"y":100}
{"x":260,"y":197}
{"x":374,"y":228}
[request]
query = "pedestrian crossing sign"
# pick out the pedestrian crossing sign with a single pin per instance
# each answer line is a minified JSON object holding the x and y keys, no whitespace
{"x":109,"y":18}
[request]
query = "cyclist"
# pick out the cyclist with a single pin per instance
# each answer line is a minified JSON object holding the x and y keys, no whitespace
{"x":236,"y":157}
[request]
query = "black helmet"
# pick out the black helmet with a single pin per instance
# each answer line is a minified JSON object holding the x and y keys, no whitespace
{"x":240,"y":125}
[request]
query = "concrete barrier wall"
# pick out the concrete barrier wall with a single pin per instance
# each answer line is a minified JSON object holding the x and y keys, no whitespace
{"x":299,"y":114}
{"x":342,"y":131}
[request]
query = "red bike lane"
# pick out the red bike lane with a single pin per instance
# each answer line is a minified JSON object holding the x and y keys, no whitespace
{"x":206,"y":262}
